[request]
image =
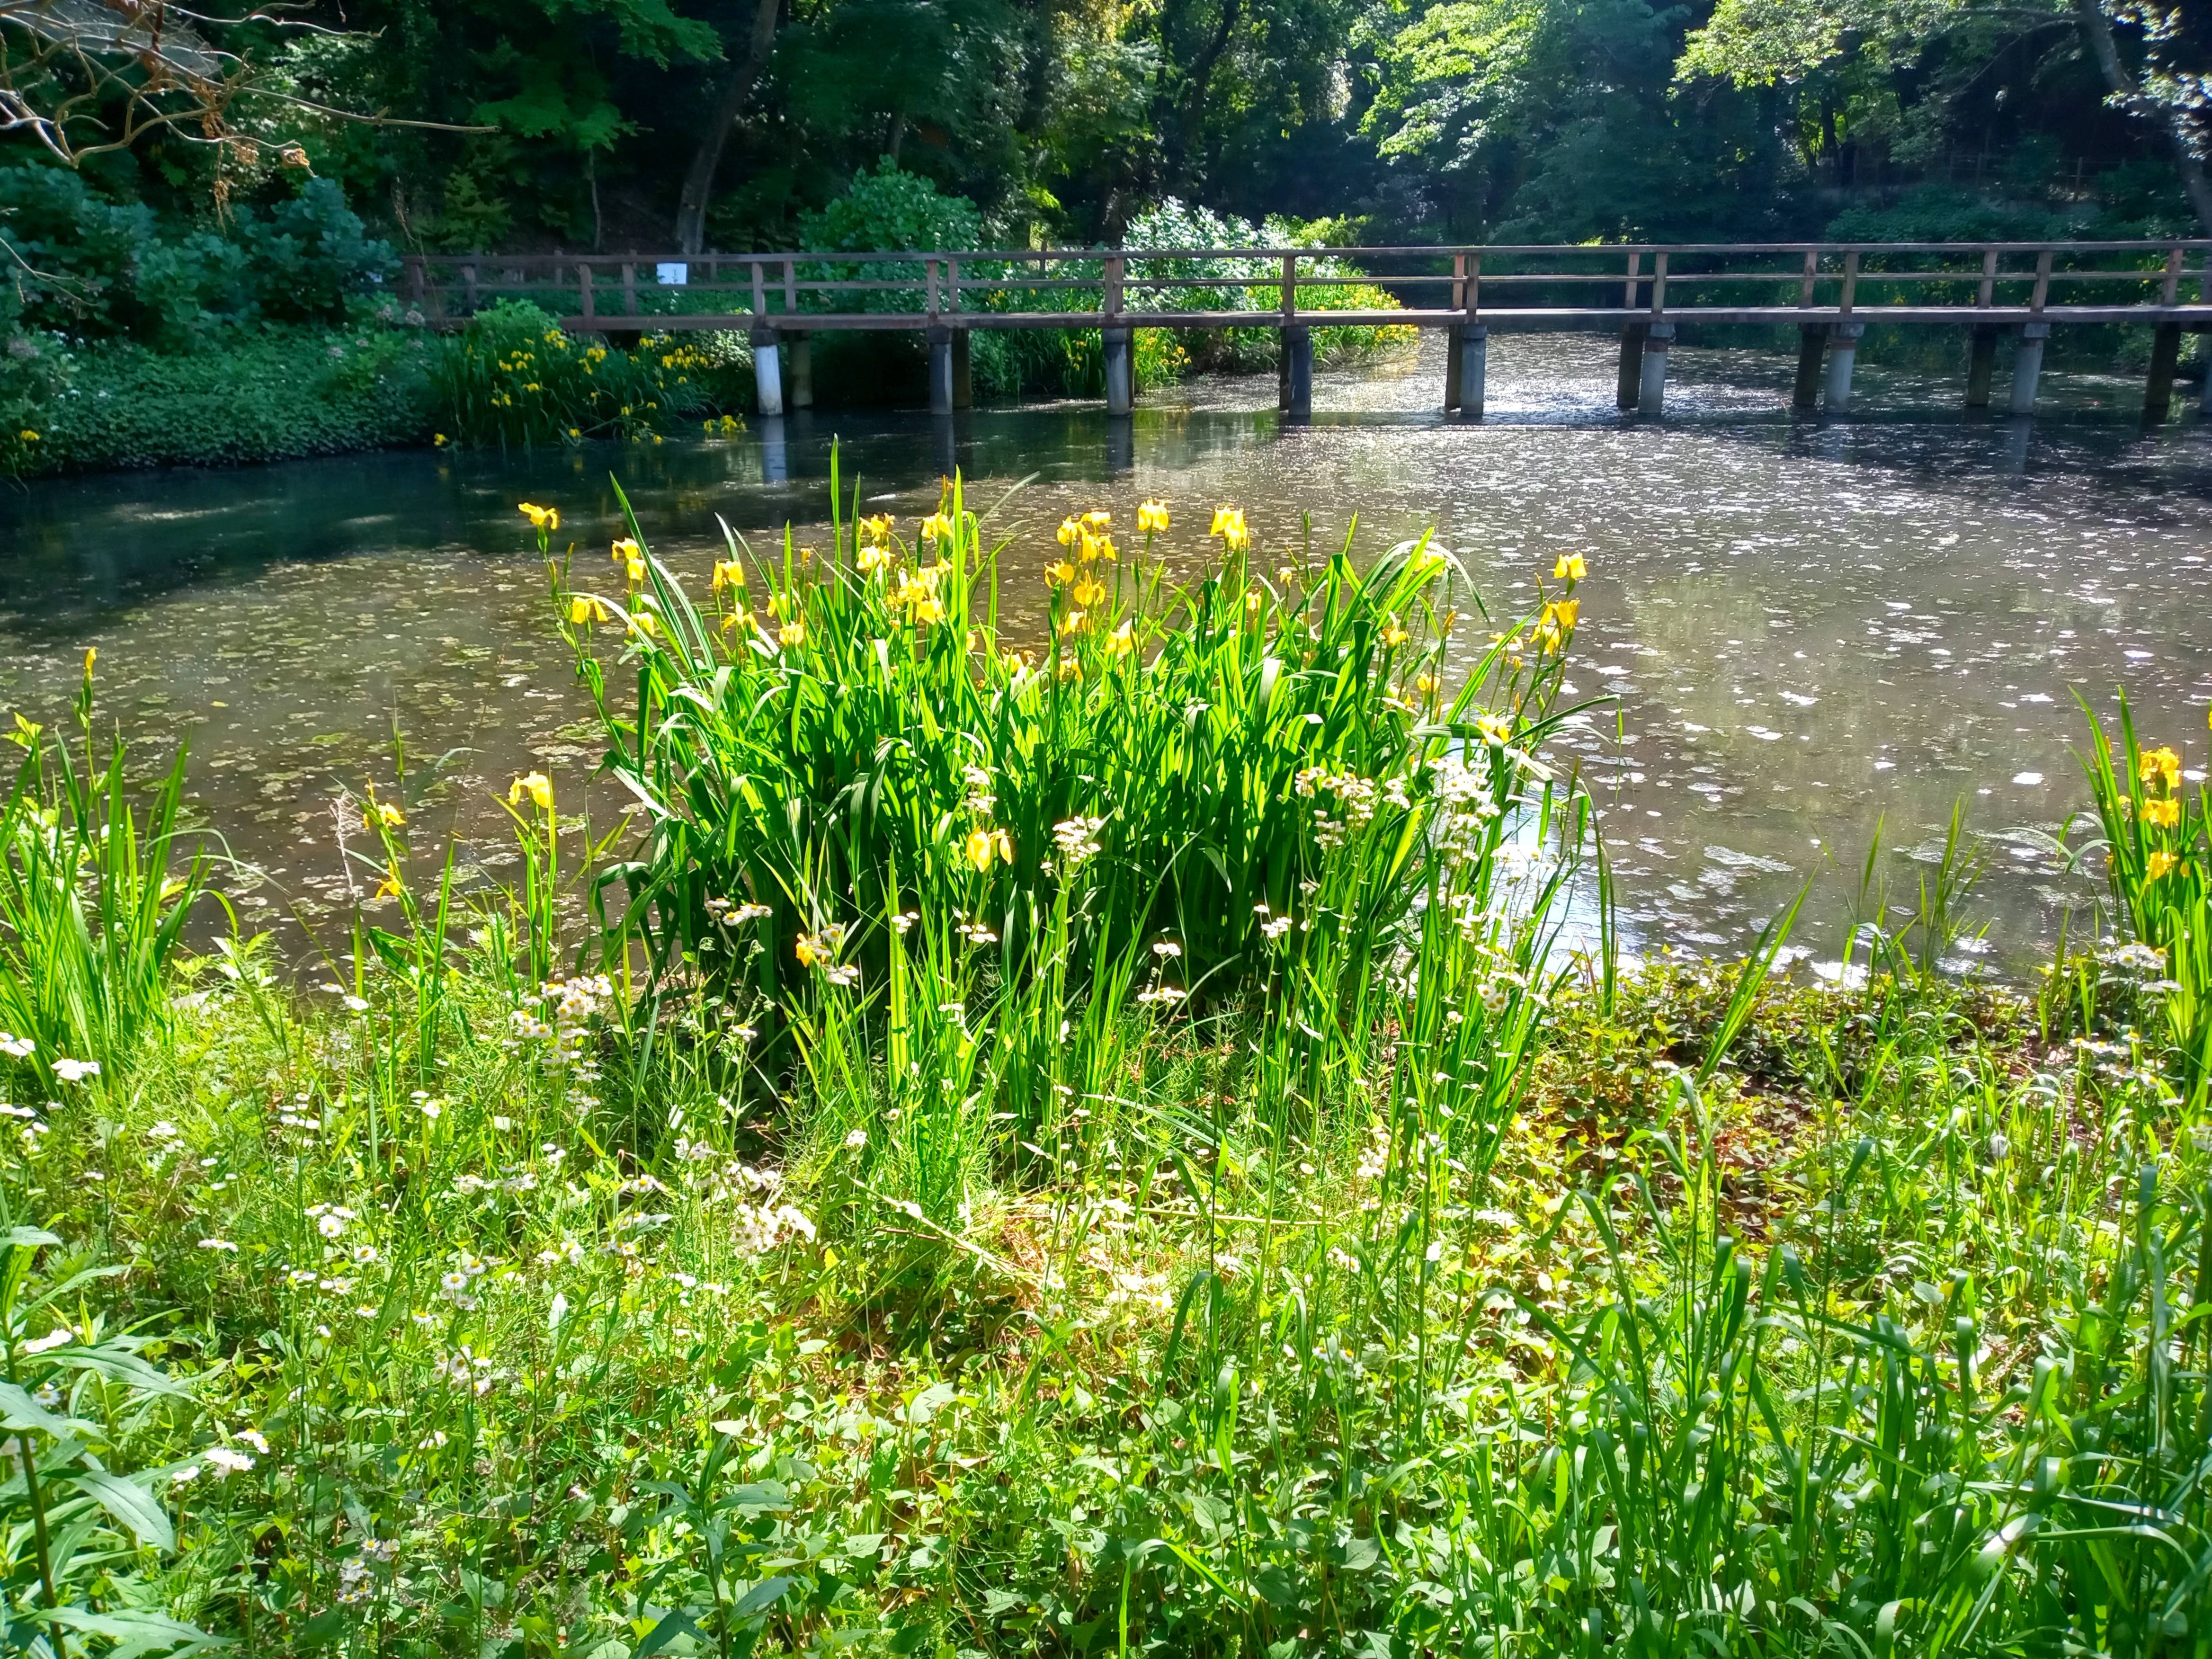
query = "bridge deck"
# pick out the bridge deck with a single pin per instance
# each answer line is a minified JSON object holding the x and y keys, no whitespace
{"x":1977,"y":283}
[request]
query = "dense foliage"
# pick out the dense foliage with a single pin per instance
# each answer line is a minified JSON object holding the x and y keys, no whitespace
{"x":920,"y":1223}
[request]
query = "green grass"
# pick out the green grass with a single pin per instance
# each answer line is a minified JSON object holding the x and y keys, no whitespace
{"x":1374,"y":1276}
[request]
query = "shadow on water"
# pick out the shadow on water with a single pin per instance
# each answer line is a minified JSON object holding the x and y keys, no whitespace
{"x":1806,"y":627}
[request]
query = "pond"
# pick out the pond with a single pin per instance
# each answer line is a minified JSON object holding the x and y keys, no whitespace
{"x":1805,"y":629}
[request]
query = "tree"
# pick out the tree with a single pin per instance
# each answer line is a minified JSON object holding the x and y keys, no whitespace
{"x":1949,"y":48}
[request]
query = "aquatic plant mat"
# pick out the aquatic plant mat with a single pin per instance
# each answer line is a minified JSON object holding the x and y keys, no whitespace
{"x":1139,"y":1139}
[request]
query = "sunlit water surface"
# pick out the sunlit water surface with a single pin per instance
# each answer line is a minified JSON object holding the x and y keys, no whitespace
{"x":1806,"y":629}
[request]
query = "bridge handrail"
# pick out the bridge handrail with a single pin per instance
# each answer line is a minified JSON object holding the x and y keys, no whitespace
{"x":945,"y":286}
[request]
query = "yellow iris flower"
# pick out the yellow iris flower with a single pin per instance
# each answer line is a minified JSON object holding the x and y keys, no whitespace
{"x":1570,"y":568}
{"x":536,"y":786}
{"x":1152,"y":517}
{"x":541,"y":517}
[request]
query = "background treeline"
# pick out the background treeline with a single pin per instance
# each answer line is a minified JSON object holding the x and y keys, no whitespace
{"x":590,"y":123}
{"x":204,"y":184}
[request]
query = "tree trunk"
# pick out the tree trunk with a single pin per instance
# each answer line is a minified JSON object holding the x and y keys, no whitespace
{"x":2130,"y":96}
{"x":729,"y":104}
{"x":1192,"y":114}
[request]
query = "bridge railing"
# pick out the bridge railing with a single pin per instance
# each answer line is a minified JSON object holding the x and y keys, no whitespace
{"x":1203,"y":288}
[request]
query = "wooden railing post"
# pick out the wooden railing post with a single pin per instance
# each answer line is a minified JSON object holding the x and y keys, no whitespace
{"x":629,"y":287}
{"x":1290,"y":294}
{"x":413,"y":265}
{"x":952,"y":288}
{"x":2042,"y":280}
{"x":1810,"y":276}
{"x":1109,"y":297}
{"x":469,"y":285}
{"x":760,"y":294}
{"x":1474,"y":284}
{"x":2169,"y":291}
{"x":1986,"y":296}
{"x":584,"y":283}
{"x":1458,"y":287}
{"x":930,"y":267}
{"x":790,"y":286}
{"x":1851,"y":282}
{"x":1628,"y":293}
{"x":1658,"y":283}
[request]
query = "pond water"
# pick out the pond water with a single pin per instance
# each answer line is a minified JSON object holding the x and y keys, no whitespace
{"x":1807,"y":629}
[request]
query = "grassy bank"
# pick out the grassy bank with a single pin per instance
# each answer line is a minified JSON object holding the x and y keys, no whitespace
{"x":1078,"y":1146}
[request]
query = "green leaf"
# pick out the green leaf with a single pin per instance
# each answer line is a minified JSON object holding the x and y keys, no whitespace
{"x":132,"y":1505}
{"x":766,"y":1594}
{"x":19,"y":1412}
{"x":672,"y":1625}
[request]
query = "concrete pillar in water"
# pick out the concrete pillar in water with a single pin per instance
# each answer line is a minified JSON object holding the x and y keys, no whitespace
{"x":800,"y":350}
{"x":1474,"y":368}
{"x":1981,"y":367}
{"x":1812,"y":347}
{"x":1451,"y":366}
{"x":1843,"y":357}
{"x":964,"y":371}
{"x":946,"y":439}
{"x":767,"y":375}
{"x":1630,"y":391}
{"x":1120,"y":382}
{"x":1652,"y":387}
{"x":2205,"y":357}
{"x":1297,"y":395}
{"x":940,"y":371}
{"x":775,"y":451}
{"x":2027,"y":366}
{"x":2164,"y":356}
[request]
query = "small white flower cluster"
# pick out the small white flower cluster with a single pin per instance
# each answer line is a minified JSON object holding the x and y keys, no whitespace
{"x":1355,"y":804}
{"x":16,"y":1048}
{"x":1076,"y":840}
{"x":331,"y":1219}
{"x":759,"y":1229}
{"x":466,"y":1369}
{"x":980,"y":799}
{"x":568,"y":1008}
{"x":457,"y":1283}
{"x":1466,"y":807}
{"x":1272,"y":927}
{"x":1375,"y":1157}
{"x":570,"y":1252}
{"x":977,"y":933}
{"x":2142,"y":958}
{"x":75,"y":1071}
{"x":728,"y":913}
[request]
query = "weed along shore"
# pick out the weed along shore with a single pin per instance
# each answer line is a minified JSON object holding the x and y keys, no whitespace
{"x":1124,"y":1127}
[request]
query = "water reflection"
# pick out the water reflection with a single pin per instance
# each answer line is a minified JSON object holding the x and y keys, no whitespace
{"x":1797,"y":629}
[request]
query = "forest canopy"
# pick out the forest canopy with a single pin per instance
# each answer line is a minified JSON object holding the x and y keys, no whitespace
{"x":615,"y":124}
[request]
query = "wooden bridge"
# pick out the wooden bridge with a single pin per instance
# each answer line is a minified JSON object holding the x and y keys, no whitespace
{"x":1830,"y":291}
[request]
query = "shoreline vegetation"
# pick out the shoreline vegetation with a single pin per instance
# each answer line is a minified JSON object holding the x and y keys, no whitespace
{"x":125,"y":348}
{"x":1092,"y":1146}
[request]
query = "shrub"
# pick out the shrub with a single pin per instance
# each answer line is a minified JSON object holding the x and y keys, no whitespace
{"x":513,"y":377}
{"x":98,"y":268}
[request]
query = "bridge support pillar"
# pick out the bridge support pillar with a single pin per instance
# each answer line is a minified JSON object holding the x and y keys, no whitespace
{"x":1843,"y":357}
{"x":2028,"y":366}
{"x":767,"y":374}
{"x":1812,"y":348}
{"x":799,"y":371}
{"x":1451,"y":366}
{"x":2204,"y":357}
{"x":1120,"y":381}
{"x":1981,"y":367}
{"x":1297,"y":384}
{"x":1630,"y":391}
{"x":940,"y":371}
{"x":963,"y":372}
{"x":2165,"y":357}
{"x":1474,"y":368}
{"x":1652,"y":386}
